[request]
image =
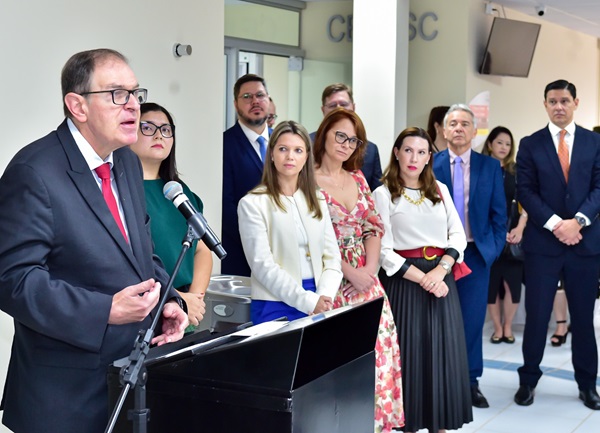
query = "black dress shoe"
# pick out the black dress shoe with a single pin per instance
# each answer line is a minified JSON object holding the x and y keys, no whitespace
{"x":590,"y":398}
{"x":478,"y":398}
{"x":524,"y":396}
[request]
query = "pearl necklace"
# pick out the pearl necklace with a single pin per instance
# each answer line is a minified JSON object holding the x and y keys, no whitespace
{"x":410,"y":200}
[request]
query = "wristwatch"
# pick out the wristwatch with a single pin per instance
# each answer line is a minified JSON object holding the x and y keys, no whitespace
{"x":580,"y":220}
{"x":447,"y":267}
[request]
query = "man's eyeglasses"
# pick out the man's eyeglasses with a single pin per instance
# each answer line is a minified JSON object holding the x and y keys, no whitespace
{"x":343,"y":104}
{"x":121,"y":96}
{"x":247,"y":97}
{"x":272,"y":117}
{"x":353,"y":142}
{"x":148,"y":128}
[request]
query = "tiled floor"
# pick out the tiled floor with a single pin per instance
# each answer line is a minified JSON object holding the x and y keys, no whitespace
{"x":556,"y":408}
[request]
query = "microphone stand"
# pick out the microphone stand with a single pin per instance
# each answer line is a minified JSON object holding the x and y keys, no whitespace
{"x":134,"y":373}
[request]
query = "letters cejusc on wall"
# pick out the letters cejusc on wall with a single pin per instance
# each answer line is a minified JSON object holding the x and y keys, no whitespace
{"x":340,"y":27}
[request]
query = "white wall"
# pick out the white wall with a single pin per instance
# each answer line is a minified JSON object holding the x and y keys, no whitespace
{"x":38,"y":36}
{"x":326,"y":62}
{"x":517,"y":103}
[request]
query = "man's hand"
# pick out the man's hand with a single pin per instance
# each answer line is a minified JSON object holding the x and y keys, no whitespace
{"x":173,"y":324}
{"x":568,"y":231}
{"x":134,"y":303}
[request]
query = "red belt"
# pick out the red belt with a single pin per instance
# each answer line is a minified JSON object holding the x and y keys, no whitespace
{"x":427,"y":253}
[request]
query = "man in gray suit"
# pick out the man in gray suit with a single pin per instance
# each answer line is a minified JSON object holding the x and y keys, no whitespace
{"x":77,"y":272}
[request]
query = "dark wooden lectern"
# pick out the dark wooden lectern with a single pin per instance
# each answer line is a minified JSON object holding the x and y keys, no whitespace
{"x":314,"y":375}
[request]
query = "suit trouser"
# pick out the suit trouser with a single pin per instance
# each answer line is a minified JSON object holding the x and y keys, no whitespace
{"x":580,"y":274}
{"x":473,"y":292}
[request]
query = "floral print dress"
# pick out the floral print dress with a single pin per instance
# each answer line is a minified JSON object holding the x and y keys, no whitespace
{"x":351,"y":229}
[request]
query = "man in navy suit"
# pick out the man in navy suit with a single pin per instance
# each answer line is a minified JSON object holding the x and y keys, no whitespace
{"x":562,"y":237}
{"x":478,"y":180}
{"x":79,"y":284}
{"x":243,"y":147}
{"x":340,"y":95}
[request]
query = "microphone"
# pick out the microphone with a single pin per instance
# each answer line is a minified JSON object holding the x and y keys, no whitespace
{"x":174,"y":191}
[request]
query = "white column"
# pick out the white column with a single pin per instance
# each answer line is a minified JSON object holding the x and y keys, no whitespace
{"x":380,"y":69}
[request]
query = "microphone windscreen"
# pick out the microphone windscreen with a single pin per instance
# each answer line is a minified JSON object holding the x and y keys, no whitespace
{"x":172,"y":189}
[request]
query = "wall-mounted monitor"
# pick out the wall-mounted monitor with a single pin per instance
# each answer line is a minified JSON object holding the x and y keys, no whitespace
{"x":510,"y":48}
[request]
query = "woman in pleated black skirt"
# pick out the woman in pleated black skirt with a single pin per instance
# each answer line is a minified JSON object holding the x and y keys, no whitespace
{"x":423,"y":240}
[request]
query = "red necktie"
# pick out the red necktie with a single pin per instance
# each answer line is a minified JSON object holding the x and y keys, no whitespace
{"x":104,"y":173}
{"x":563,"y":154}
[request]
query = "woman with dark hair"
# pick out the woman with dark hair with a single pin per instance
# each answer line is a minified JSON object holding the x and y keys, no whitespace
{"x":339,"y":151}
{"x":435,"y":127}
{"x":423,"y":240}
{"x":506,"y":275}
{"x":156,"y":149}
{"x":287,"y":235}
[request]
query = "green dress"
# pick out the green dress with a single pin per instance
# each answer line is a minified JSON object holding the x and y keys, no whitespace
{"x":168,"y":228}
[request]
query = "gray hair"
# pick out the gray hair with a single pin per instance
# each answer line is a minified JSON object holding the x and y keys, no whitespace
{"x":460,"y":107}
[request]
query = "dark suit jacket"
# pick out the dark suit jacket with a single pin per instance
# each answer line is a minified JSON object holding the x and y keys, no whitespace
{"x":543,"y":191}
{"x":371,"y":167}
{"x":242,"y":171}
{"x":62,"y":258}
{"x":487,"y":206}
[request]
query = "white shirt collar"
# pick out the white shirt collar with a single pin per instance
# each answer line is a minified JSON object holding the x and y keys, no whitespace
{"x":555,"y":130}
{"x":253,"y":136}
{"x":89,"y":154}
{"x":466,"y":157}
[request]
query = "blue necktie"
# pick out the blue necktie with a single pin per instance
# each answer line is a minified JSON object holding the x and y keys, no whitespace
{"x":458,"y":186}
{"x":263,"y":147}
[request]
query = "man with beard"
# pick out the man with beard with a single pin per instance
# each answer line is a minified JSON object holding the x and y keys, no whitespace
{"x":244,"y":149}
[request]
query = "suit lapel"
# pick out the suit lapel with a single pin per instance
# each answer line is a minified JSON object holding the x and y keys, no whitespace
{"x":446,"y":175}
{"x":87,"y":186}
{"x":474,"y":174}
{"x":548,"y":148}
{"x":126,"y":199}
{"x":249,"y":154}
{"x":578,"y":151}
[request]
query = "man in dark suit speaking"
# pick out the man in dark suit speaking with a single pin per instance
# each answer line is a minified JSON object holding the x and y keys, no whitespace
{"x":77,"y":272}
{"x":558,"y":184}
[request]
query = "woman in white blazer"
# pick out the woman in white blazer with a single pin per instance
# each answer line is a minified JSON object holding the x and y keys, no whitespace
{"x":287,"y":234}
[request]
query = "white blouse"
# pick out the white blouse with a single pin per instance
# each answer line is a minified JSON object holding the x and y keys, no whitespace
{"x":302,"y":238}
{"x":409,"y":226}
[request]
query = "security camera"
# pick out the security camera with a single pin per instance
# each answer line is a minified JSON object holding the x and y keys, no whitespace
{"x":541,"y":10}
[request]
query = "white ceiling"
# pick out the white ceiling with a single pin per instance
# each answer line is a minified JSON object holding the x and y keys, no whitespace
{"x":580,"y":15}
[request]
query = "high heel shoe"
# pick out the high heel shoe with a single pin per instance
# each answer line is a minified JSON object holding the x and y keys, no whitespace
{"x":558,"y":340}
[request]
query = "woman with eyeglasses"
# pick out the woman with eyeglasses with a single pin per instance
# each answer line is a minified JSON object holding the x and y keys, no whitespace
{"x":339,"y":150}
{"x":156,"y":149}
{"x":287,"y":235}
